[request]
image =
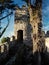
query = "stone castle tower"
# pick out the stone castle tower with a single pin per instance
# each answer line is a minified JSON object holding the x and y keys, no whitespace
{"x":22,"y":26}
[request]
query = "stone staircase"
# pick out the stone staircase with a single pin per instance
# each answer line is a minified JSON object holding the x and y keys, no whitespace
{"x":18,"y":54}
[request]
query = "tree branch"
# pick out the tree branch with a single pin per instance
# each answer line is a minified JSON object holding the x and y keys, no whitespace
{"x":6,"y":15}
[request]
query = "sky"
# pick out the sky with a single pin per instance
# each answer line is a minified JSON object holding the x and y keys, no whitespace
{"x":45,"y":13}
{"x":45,"y":18}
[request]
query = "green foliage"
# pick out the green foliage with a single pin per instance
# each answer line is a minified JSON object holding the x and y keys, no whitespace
{"x":6,"y":4}
{"x":3,"y":40}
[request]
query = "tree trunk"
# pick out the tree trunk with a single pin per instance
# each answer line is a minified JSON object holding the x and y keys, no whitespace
{"x":35,"y":21}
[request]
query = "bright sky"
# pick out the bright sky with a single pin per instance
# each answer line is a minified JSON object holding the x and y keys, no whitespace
{"x":45,"y":12}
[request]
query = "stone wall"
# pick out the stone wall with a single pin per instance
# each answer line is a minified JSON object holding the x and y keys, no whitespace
{"x":47,"y":43}
{"x":4,"y":47}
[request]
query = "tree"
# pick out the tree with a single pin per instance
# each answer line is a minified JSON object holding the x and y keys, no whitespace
{"x":35,"y":9}
{"x":3,"y":40}
{"x":7,"y":6}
